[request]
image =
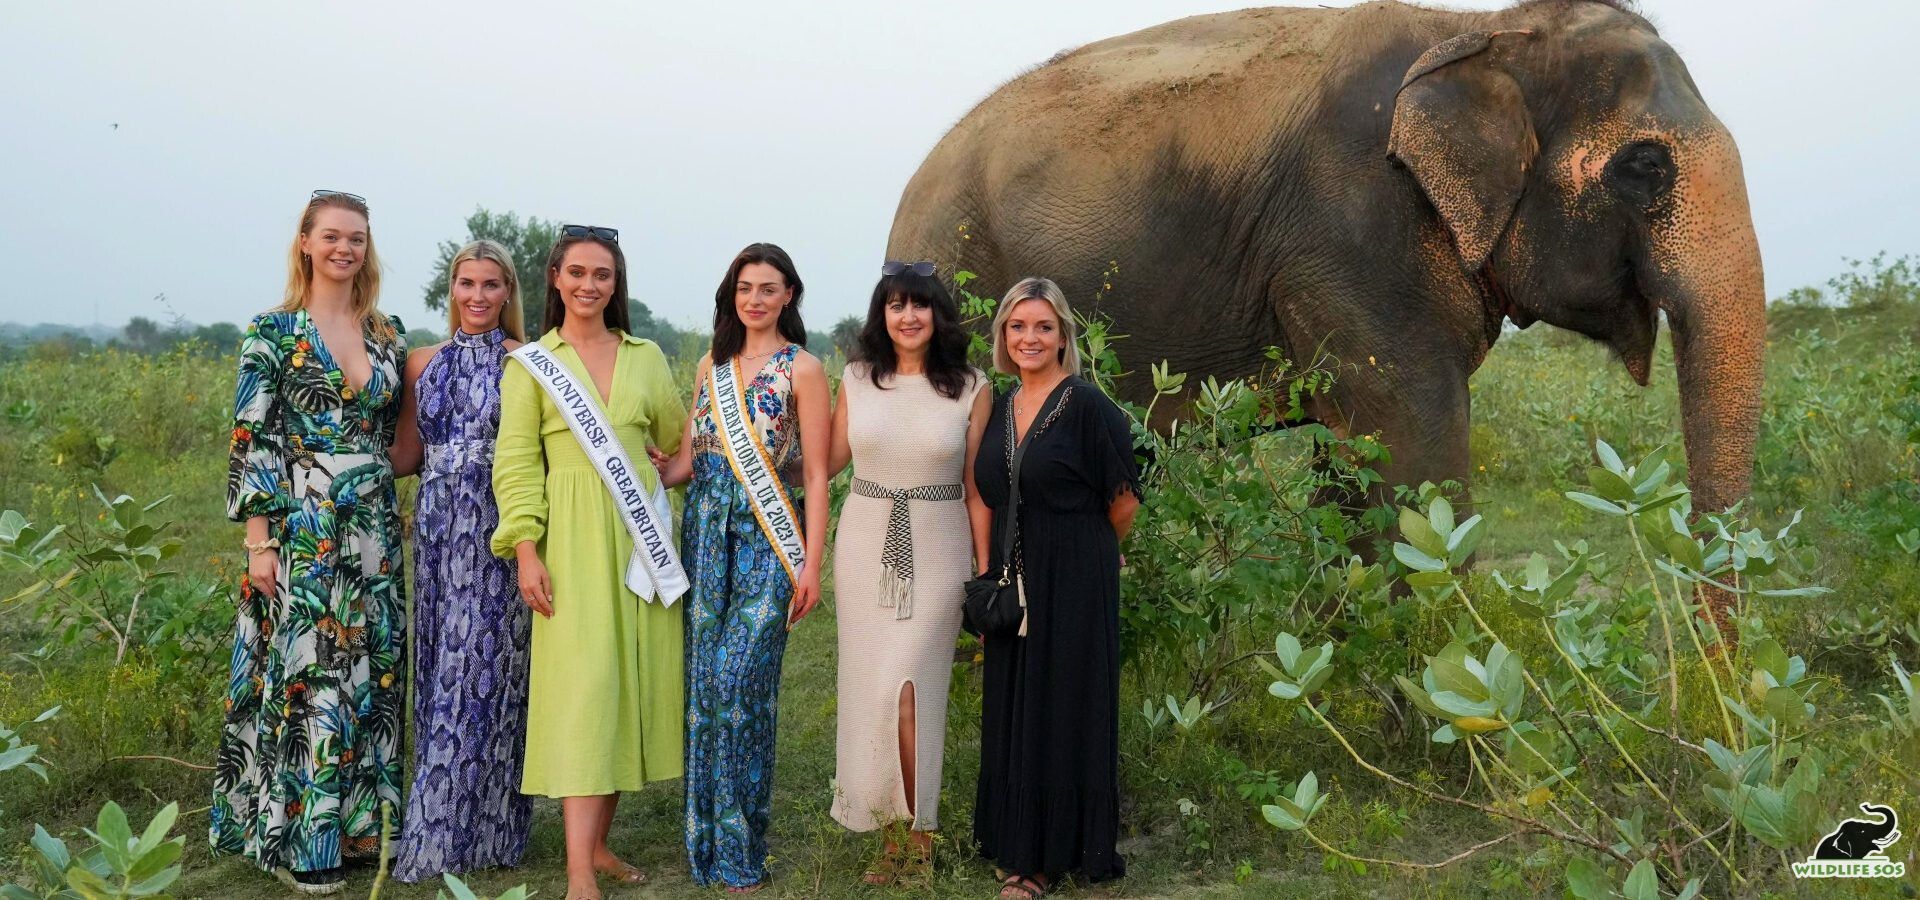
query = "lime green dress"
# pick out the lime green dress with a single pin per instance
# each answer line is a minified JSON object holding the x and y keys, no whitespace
{"x":606,"y":699}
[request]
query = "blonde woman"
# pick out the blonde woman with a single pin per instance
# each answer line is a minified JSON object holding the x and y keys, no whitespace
{"x":309,"y":749}
{"x":1049,"y":797}
{"x":465,"y":810}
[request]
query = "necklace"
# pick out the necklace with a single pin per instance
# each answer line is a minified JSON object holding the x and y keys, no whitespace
{"x":1021,"y":391}
{"x":745,"y":357}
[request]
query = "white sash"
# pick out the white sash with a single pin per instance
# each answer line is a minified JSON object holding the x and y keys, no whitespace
{"x":754,"y":468}
{"x":654,"y":569}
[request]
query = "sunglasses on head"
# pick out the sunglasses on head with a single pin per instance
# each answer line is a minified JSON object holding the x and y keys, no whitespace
{"x":324,"y":194}
{"x":610,"y":235}
{"x":923,"y":268}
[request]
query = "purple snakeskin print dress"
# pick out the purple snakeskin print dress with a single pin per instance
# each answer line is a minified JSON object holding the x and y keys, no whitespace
{"x":465,"y":810}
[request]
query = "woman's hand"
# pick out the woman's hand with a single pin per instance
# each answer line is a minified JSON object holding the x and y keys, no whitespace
{"x":263,"y":572}
{"x":660,"y":460}
{"x":806,"y":595}
{"x":536,"y":588}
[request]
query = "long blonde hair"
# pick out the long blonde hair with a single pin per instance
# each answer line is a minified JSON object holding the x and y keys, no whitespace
{"x":1036,"y":289}
{"x":484,"y":250}
{"x":365,"y":299}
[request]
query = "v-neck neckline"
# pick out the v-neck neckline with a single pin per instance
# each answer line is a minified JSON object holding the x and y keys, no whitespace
{"x":333,"y":363}
{"x":606,"y":399}
{"x":1039,"y":415}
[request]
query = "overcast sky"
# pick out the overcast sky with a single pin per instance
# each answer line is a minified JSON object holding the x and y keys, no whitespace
{"x":698,"y":127}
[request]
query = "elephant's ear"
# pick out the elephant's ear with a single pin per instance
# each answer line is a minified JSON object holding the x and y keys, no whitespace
{"x":1460,"y":125}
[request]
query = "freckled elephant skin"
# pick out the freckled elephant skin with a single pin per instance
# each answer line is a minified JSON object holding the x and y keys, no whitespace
{"x":1384,"y":184}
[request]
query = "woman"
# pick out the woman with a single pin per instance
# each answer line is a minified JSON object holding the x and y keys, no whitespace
{"x":465,"y":810}
{"x":910,"y":417}
{"x":1049,"y":796}
{"x":751,"y":553}
{"x":604,"y":695}
{"x":309,"y":749}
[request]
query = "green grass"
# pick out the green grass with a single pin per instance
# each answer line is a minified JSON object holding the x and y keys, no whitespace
{"x":1830,"y":443}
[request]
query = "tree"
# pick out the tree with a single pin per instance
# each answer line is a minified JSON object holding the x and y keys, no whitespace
{"x":846,"y":335}
{"x":530,"y":242}
{"x":219,"y":338}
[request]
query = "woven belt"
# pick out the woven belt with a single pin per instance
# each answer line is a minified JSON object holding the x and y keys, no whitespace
{"x":896,"y":558}
{"x":451,"y":457}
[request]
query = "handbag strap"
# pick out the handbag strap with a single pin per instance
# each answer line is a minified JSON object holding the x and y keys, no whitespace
{"x":1019,"y":452}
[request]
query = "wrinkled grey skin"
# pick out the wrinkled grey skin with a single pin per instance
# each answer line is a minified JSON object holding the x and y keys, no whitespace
{"x":1386,"y":184}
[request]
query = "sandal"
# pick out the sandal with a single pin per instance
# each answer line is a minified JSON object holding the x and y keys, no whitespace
{"x":1029,"y":888}
{"x":915,"y":869}
{"x":623,"y":872}
{"x":753,"y":888}
{"x":883,"y":872}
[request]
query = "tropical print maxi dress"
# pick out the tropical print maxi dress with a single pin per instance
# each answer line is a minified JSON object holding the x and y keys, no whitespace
{"x":736,"y":634}
{"x":309,"y":752}
{"x":470,"y":630}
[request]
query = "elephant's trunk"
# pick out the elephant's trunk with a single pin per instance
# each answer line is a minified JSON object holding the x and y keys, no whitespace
{"x":1707,"y":277}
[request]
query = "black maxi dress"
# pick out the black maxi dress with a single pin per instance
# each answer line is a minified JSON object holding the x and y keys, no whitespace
{"x":1049,"y":795}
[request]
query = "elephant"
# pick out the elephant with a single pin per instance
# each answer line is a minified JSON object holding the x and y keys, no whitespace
{"x":1859,"y":838}
{"x":1385,"y":184}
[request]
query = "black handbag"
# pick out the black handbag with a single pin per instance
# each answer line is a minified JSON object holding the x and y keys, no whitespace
{"x":995,"y":604}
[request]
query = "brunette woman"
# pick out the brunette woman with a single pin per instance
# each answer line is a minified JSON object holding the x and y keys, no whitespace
{"x":910,"y":415}
{"x":759,"y":428}
{"x":605,"y":697}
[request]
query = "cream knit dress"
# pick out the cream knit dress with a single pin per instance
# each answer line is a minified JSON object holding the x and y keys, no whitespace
{"x":902,"y":437}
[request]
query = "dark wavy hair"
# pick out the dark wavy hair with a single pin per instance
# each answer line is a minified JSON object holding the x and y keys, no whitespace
{"x":947,"y":368}
{"x":615,"y":313}
{"x":729,"y":333}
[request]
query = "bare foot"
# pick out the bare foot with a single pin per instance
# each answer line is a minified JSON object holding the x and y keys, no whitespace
{"x":605,"y":863}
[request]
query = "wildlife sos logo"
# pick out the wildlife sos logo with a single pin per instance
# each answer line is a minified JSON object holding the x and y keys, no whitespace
{"x":1856,"y":848}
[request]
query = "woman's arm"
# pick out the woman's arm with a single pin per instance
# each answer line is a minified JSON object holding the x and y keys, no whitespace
{"x":258,"y":490}
{"x":1121,"y":513}
{"x":979,"y":517}
{"x":676,"y":466}
{"x":840,"y":453}
{"x":816,"y":430}
{"x":407,"y":452}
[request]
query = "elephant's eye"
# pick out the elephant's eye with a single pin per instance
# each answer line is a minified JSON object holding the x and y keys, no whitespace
{"x":1643,"y":171}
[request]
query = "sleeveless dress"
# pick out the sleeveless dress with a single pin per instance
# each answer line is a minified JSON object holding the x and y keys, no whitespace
{"x":604,"y":690}
{"x":309,"y":750}
{"x":904,"y":436}
{"x":465,"y":811}
{"x":1049,"y":793}
{"x":736,"y":634}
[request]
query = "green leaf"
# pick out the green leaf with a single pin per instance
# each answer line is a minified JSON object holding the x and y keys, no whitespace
{"x":88,"y":884}
{"x":1609,"y":457}
{"x":11,"y":524}
{"x":1419,"y":532}
{"x":1418,"y":696}
{"x":1287,"y":647}
{"x":153,"y":864}
{"x":1609,"y":485}
{"x":1282,"y":818}
{"x":53,"y":848}
{"x":45,"y":715}
{"x":1768,"y":655}
{"x":1464,"y":539}
{"x":1458,"y":707}
{"x":1440,"y":516}
{"x":157,"y":829}
{"x":1285,"y":690}
{"x":1417,"y":559}
{"x":1786,"y":707}
{"x":1587,"y":881}
{"x":459,"y":888}
{"x":1306,"y":791}
{"x":1595,"y":503}
{"x":1642,"y":883}
{"x":1456,"y":678}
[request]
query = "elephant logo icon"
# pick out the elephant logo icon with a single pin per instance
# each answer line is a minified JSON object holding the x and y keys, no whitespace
{"x":1861,"y":838}
{"x":1856,"y":848}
